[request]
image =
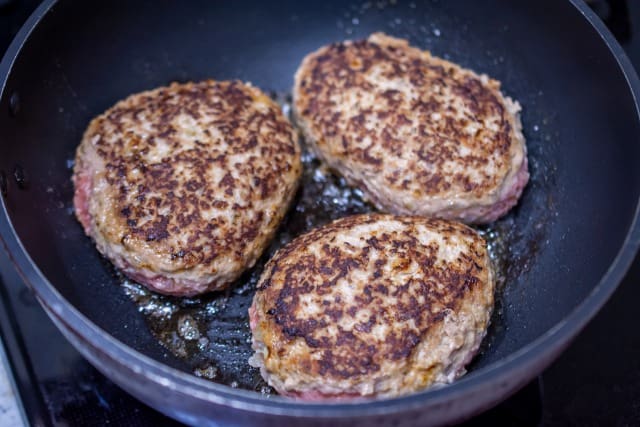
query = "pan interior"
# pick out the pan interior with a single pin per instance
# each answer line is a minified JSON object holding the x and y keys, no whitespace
{"x":578,"y":114}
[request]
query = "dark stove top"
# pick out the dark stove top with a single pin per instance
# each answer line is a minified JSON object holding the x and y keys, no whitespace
{"x":595,"y":382}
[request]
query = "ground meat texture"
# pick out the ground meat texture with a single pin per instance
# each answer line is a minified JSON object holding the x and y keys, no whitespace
{"x":182,"y":187}
{"x":419,"y":135}
{"x":372,"y":305}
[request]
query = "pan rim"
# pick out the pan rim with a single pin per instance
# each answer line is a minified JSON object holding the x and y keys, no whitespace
{"x":531,"y":358}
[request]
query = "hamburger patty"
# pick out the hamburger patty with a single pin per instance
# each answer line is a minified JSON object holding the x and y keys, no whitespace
{"x":418,"y":134}
{"x":182,"y":187}
{"x":372,"y":305}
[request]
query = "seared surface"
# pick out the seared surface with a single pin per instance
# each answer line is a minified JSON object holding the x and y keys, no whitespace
{"x":419,"y":135}
{"x":183,"y":186}
{"x":372,"y":305}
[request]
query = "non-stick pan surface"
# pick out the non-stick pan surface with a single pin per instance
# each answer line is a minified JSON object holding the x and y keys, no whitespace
{"x":562,"y":251}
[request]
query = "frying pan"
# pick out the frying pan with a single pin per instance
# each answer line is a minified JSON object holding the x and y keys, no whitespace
{"x":561,"y":252}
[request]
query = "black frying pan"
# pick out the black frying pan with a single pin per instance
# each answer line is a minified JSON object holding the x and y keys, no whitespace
{"x":562,"y":251}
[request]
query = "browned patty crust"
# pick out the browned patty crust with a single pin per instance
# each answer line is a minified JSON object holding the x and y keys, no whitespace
{"x":182,"y":187}
{"x":418,"y":134}
{"x":372,"y":305}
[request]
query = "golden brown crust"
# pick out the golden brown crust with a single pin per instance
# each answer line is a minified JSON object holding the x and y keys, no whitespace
{"x":191,"y":180}
{"x":419,"y":134}
{"x":347,"y":306}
